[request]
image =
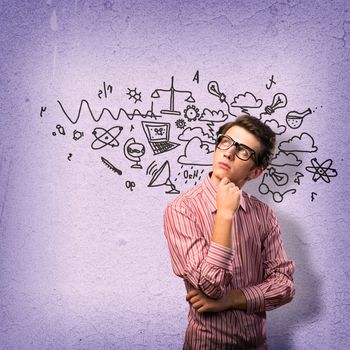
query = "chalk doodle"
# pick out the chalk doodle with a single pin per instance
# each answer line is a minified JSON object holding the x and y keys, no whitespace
{"x":285,"y":159}
{"x":298,"y":175}
{"x":321,"y":171}
{"x":172,"y":92}
{"x":213,"y":89}
{"x":107,"y":89}
{"x":42,"y":110}
{"x":161,"y":177}
{"x":196,"y":77}
{"x":295,"y":119}
{"x":245,"y":101}
{"x":302,"y":143}
{"x":158,"y":137}
{"x":136,"y":113}
{"x":213,"y":116}
{"x":279,"y":101}
{"x":280,"y":179}
{"x":189,"y":133}
{"x":106,"y":111}
{"x":134,"y":151}
{"x":180,"y":124}
{"x":190,"y":174}
{"x":275,"y":126}
{"x":132,"y":93}
{"x":77,"y":135}
{"x":60,"y":130}
{"x":111,"y":166}
{"x":86,"y":103}
{"x":268,"y":87}
{"x":194,"y":134}
{"x":276,"y":196}
{"x":105,"y":137}
{"x":130,"y":185}
{"x":196,"y":153}
{"x":191,"y":113}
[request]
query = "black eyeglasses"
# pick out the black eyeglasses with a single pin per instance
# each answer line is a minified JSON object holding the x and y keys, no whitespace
{"x":243,"y":152}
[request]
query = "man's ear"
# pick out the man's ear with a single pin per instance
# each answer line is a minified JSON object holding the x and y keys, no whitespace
{"x":254,"y":173}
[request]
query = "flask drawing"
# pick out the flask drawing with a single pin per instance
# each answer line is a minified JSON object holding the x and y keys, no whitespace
{"x":295,"y":119}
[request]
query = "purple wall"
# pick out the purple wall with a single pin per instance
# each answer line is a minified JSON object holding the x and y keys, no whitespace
{"x":83,"y":259}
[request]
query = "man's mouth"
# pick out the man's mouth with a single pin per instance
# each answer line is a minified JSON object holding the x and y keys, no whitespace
{"x":224,"y":166}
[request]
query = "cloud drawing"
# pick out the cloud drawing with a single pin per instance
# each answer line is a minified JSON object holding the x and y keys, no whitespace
{"x":302,"y":143}
{"x":213,"y":116}
{"x":283,"y":159}
{"x":196,"y":153}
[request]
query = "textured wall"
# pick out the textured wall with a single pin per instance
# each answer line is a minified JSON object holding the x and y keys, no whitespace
{"x":83,"y":259}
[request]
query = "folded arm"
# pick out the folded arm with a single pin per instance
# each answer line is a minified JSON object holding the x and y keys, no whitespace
{"x":206,"y":266}
{"x":276,"y":289}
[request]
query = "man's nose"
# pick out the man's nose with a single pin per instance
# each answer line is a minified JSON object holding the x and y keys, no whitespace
{"x":230,"y":153}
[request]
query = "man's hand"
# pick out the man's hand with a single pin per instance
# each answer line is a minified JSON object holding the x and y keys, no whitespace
{"x":202,"y":303}
{"x":227,"y":197}
{"x":233,"y":299}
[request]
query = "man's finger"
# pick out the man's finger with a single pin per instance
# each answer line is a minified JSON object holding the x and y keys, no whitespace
{"x":197,"y":305}
{"x":191,"y":294}
{"x":224,"y":181}
{"x":194,"y":299}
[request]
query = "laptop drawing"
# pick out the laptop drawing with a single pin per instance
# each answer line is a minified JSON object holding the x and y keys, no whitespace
{"x":158,"y":137}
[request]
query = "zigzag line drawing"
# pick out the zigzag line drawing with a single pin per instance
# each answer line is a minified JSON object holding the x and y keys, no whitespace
{"x":122,"y":111}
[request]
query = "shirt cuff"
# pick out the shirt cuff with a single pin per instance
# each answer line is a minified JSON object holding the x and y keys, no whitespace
{"x":255,"y":299}
{"x":220,"y":256}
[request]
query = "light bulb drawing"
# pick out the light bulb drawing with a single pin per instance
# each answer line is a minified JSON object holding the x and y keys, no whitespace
{"x":172,"y":92}
{"x":279,"y":101}
{"x":213,"y":89}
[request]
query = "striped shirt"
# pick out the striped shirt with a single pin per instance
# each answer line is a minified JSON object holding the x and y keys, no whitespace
{"x":257,"y":265}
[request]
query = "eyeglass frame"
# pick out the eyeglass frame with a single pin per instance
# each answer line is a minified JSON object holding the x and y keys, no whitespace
{"x":236,"y":144}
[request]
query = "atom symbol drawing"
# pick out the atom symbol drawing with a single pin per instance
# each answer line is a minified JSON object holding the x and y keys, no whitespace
{"x":180,"y":124}
{"x":191,"y":113}
{"x":132,"y":93}
{"x":106,"y":137}
{"x":321,"y":171}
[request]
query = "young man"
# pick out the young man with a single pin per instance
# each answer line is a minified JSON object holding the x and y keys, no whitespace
{"x":227,"y":247}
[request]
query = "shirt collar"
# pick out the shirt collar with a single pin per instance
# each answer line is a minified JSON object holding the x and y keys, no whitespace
{"x":210,"y":189}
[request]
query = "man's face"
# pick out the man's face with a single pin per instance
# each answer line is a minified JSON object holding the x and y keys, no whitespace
{"x":227,"y":164}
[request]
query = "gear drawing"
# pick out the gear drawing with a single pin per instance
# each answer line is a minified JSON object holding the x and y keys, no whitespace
{"x":191,"y":113}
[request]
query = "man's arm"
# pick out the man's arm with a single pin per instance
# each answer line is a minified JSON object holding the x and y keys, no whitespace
{"x":207,"y":267}
{"x":276,"y":289}
{"x":227,"y":202}
{"x":233,"y":299}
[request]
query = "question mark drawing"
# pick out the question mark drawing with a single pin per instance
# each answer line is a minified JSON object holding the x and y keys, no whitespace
{"x":69,"y":156}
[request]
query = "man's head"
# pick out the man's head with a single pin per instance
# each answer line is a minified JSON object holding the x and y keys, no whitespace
{"x":244,"y":149}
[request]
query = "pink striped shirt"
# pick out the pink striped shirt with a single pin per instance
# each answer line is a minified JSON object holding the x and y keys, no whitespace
{"x":257,"y":264}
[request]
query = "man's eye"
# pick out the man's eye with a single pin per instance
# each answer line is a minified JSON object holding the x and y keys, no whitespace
{"x":243,"y":151}
{"x":225,"y":142}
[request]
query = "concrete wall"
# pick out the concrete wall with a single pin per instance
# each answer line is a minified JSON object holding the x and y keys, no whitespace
{"x":83,"y":259}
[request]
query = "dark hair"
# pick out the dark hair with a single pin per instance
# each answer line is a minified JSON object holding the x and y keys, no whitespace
{"x":261,"y":131}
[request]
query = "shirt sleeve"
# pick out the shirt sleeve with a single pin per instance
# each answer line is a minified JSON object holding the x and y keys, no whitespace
{"x":206,"y":267}
{"x":277,"y":288}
